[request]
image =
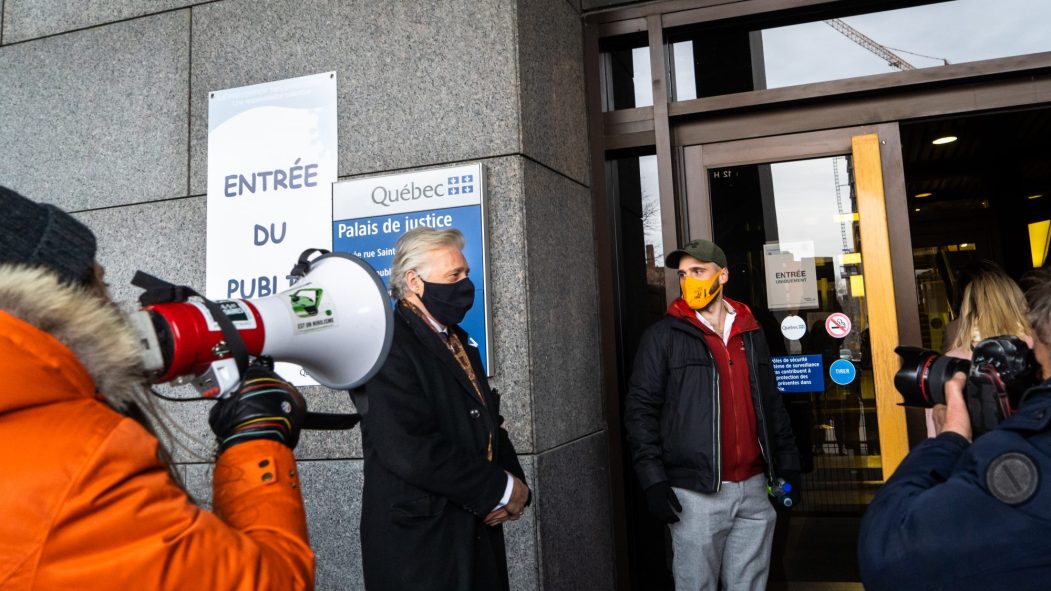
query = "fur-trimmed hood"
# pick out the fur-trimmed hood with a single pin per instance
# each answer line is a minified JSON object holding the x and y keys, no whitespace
{"x":65,"y":333}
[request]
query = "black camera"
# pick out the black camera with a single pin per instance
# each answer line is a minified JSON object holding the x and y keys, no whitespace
{"x":1000,"y":370}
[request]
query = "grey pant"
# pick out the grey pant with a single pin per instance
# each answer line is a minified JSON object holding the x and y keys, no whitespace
{"x":725,"y":535}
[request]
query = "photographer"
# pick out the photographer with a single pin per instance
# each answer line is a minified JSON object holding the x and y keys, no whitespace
{"x":957,"y":515}
{"x":89,"y":498}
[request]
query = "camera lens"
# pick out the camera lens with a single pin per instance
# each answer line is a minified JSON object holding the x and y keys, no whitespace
{"x":912,"y":376}
{"x":921,"y":379}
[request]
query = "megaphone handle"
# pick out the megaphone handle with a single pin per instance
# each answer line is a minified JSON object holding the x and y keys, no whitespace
{"x":323,"y":421}
{"x":302,"y":267}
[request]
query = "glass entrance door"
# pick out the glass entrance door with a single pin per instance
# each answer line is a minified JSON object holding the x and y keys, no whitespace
{"x":804,"y":227}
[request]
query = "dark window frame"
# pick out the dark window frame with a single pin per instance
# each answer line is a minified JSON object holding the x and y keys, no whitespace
{"x":880,"y":100}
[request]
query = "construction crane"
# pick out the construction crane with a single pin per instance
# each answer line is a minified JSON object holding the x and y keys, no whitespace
{"x":893,"y":60}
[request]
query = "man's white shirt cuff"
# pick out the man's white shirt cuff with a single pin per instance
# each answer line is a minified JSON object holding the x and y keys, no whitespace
{"x":507,"y":493}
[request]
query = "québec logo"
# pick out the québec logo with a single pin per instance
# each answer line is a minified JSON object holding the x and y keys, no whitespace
{"x":460,"y":185}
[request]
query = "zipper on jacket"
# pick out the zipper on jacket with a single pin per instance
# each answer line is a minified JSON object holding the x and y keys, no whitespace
{"x":717,"y":457}
{"x":717,"y":430}
{"x":757,"y":400}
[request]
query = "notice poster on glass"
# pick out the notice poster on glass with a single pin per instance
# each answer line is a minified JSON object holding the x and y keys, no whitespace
{"x":369,"y":215}
{"x":791,"y":276}
{"x":272,"y":151}
{"x":799,"y":373}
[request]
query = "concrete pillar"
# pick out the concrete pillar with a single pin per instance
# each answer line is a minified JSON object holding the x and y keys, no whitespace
{"x":104,"y":112}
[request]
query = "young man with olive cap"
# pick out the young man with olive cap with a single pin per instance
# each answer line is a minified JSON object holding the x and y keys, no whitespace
{"x":708,"y":430}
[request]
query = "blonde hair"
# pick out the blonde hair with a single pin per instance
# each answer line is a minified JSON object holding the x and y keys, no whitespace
{"x":993,"y":305}
{"x":412,"y":253}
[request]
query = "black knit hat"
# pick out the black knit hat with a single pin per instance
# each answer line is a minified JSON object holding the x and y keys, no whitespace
{"x":41,"y":234}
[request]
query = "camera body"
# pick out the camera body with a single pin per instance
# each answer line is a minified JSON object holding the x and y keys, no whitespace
{"x":1000,"y":370}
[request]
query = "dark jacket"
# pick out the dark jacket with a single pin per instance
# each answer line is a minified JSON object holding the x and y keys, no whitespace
{"x":951,"y":517}
{"x":428,"y":484}
{"x":672,"y":411}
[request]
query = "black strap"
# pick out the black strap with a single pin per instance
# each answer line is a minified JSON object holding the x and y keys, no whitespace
{"x":230,"y":334}
{"x":323,"y":421}
{"x":302,"y":267}
{"x":159,"y":291}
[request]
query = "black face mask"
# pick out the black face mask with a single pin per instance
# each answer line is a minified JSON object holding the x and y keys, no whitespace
{"x":448,"y":303}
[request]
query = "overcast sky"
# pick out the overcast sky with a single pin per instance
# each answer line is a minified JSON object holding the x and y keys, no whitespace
{"x":960,"y":31}
{"x":808,"y":216}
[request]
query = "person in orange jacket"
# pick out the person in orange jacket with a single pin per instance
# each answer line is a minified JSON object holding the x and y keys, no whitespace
{"x":89,"y":501}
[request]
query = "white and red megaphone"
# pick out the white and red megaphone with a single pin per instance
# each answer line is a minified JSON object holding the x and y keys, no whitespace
{"x":335,"y":321}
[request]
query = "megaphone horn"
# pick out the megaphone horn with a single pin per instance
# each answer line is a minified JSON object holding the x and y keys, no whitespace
{"x":335,"y":321}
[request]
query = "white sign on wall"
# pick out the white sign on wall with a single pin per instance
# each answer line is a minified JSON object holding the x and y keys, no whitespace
{"x":791,"y":278}
{"x":272,"y":159}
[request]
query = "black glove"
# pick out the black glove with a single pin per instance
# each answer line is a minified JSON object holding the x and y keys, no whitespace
{"x":263,"y":407}
{"x":662,"y":502}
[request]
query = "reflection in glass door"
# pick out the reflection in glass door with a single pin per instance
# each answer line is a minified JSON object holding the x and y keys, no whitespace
{"x":792,"y":238}
{"x":792,"y":234}
{"x":804,"y":220}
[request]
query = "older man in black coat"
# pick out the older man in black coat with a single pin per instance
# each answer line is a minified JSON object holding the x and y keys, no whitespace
{"x":441,"y":475}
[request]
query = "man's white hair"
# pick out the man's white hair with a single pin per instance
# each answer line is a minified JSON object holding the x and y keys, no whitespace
{"x":412,"y":253}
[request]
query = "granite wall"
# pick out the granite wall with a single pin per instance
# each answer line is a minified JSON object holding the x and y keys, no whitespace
{"x":104,"y":112}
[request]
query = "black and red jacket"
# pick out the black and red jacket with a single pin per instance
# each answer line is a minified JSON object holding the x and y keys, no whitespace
{"x":694,"y":405}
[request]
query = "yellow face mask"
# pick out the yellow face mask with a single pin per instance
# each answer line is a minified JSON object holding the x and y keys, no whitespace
{"x":698,"y":293}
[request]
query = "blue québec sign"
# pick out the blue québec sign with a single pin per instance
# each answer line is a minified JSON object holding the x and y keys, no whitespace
{"x":369,"y":215}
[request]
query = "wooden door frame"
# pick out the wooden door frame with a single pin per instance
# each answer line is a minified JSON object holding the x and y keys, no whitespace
{"x":882,"y":204}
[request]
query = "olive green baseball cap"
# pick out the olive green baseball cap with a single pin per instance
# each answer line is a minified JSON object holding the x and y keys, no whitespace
{"x":700,"y":249}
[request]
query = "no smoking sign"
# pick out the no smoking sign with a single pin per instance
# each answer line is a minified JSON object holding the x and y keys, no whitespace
{"x":837,"y":325}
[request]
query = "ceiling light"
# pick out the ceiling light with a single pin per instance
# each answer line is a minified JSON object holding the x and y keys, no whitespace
{"x":922,"y":195}
{"x":945,"y":140}
{"x":1035,"y":196}
{"x":917,"y":210}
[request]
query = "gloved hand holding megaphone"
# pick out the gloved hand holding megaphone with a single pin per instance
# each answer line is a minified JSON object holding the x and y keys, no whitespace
{"x":264,"y":406}
{"x":335,"y":321}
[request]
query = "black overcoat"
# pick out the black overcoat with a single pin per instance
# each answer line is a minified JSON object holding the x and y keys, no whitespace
{"x":428,"y":483}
